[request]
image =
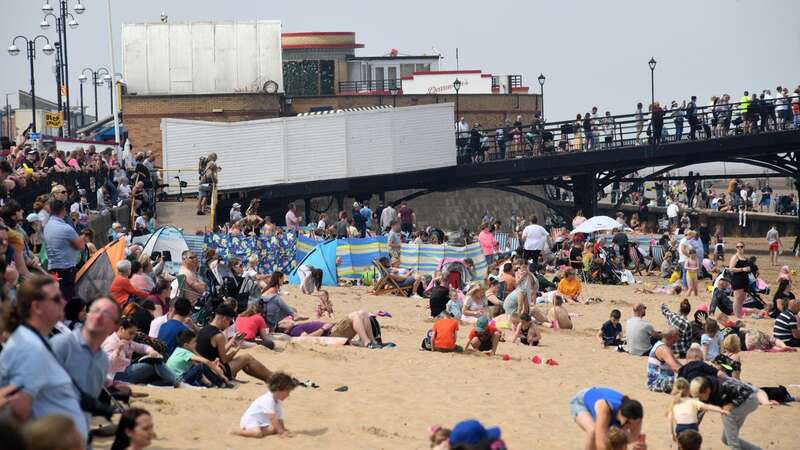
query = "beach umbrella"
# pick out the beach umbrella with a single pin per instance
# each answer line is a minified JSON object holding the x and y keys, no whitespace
{"x":597,"y":223}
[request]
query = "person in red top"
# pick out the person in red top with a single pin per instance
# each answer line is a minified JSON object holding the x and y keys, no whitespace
{"x":484,"y":337}
{"x":407,"y":218}
{"x":121,"y":287}
{"x":252,"y":325}
{"x":443,"y":338}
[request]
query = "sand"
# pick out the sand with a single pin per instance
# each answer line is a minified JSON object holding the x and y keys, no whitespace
{"x":395,"y":394}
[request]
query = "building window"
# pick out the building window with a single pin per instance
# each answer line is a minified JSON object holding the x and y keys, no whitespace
{"x":406,"y":70}
{"x":309,"y":77}
{"x":423,"y":68}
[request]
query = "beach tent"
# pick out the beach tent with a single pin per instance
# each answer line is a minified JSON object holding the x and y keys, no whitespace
{"x":598,"y":223}
{"x":95,"y":277}
{"x":322,"y":257}
{"x":166,"y":239}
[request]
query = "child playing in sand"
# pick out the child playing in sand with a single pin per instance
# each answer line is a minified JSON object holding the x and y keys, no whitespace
{"x":264,"y":417}
{"x":728,"y":360}
{"x":484,"y":337}
{"x":440,"y":437}
{"x":711,"y":340}
{"x":455,"y":305}
{"x":324,"y":306}
{"x":558,"y":314}
{"x":617,"y":439}
{"x":444,"y":332}
{"x":524,"y":329}
{"x":692,"y":265}
{"x":610,"y":333}
{"x":683,"y":410}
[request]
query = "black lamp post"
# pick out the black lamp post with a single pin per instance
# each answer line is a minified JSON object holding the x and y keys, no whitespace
{"x":47,"y":49}
{"x":394,"y":91}
{"x":96,"y":81}
{"x":652,"y":64}
{"x":541,"y":79}
{"x":457,"y":87}
{"x":63,"y":13}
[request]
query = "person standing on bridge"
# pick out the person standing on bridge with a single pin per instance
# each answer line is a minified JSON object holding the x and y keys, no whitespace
{"x":462,"y":135}
{"x":744,"y":111}
{"x":587,"y":132}
{"x":657,"y":121}
{"x":639,"y":123}
{"x":691,"y":117}
{"x":677,"y":119}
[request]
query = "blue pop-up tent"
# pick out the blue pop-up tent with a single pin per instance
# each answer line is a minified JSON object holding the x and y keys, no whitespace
{"x":322,"y":257}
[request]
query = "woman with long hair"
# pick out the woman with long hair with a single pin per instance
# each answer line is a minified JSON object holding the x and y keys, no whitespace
{"x":274,"y":283}
{"x":739,"y":266}
{"x":135,"y":430}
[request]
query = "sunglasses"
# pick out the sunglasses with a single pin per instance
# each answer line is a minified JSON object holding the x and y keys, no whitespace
{"x":740,"y":246}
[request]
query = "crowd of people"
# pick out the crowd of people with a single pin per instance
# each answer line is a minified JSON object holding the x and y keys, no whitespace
{"x":752,"y":113}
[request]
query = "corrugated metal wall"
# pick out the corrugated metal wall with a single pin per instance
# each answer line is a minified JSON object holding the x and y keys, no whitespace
{"x":316,"y":147}
{"x":201,"y":57}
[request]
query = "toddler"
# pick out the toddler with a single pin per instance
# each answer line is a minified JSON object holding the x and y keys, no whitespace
{"x":711,"y":340}
{"x":440,"y":437}
{"x":324,"y":306}
{"x":524,"y":328}
{"x":264,"y":417}
{"x":684,"y":409}
{"x":455,"y":305}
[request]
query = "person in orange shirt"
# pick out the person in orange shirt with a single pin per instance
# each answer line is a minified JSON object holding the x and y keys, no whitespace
{"x":570,"y":286}
{"x":443,"y":338}
{"x":121,"y":288}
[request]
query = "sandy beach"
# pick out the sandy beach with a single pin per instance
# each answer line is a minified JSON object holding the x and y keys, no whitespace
{"x":395,"y":394}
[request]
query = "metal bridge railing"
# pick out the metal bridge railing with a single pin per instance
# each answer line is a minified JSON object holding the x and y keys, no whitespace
{"x":511,"y":141}
{"x":370,"y":86}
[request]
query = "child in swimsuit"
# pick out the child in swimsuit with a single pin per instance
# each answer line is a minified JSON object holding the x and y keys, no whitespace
{"x":692,"y":265}
{"x":683,"y":411}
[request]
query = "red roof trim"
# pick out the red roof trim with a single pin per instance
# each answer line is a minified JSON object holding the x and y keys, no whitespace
{"x":486,"y":75}
{"x":320,"y":33}
{"x":309,"y":46}
{"x":446,"y":72}
{"x":520,"y":89}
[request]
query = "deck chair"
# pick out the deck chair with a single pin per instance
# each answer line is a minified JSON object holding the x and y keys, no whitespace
{"x":657,"y":257}
{"x":636,"y":258}
{"x":386,"y":285}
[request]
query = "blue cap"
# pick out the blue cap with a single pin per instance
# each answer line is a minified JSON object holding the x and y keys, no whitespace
{"x":472,"y":432}
{"x":481,"y":324}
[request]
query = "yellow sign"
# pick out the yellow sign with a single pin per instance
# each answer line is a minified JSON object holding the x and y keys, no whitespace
{"x":54,"y":119}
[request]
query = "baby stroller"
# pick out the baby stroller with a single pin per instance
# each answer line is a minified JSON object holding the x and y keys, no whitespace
{"x":455,"y":272}
{"x":602,"y":271}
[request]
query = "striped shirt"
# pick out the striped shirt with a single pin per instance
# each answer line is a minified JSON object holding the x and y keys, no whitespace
{"x":784,"y":324}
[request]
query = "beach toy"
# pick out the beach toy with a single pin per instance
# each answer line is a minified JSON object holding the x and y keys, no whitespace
{"x":551,"y":362}
{"x":382,"y":313}
{"x":536,"y":359}
{"x":506,"y":357}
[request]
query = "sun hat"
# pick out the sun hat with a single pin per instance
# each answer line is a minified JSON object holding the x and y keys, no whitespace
{"x":33,"y":217}
{"x":472,"y":432}
{"x":482,"y":324}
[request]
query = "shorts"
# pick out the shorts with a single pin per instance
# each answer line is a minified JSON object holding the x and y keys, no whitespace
{"x":409,"y":281}
{"x":344,"y":329}
{"x":485,"y":346}
{"x":226,"y":369}
{"x":681,"y":427}
{"x":774,"y":246}
{"x":577,"y":406}
{"x":524,"y":341}
{"x":691,"y":275}
{"x":764,"y":201}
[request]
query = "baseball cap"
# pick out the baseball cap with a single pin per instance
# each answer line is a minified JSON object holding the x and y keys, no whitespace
{"x":472,"y":432}
{"x":33,"y":217}
{"x":225,"y":310}
{"x":702,"y":307}
{"x":639,"y":307}
{"x":236,"y":205}
{"x":481,"y":324}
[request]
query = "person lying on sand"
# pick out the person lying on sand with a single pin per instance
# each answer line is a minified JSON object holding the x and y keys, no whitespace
{"x":652,"y":288}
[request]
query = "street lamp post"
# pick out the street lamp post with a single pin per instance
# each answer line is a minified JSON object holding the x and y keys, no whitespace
{"x":58,"y":85}
{"x":63,"y":13}
{"x":393,"y":91}
{"x":82,"y":79}
{"x":96,"y":81}
{"x":652,"y":64}
{"x":47,"y":49}
{"x":541,"y":79}
{"x":457,"y":87}
{"x":61,"y":57}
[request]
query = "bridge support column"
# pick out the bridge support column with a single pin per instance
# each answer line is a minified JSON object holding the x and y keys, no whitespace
{"x":584,"y":188}
{"x":340,"y":202}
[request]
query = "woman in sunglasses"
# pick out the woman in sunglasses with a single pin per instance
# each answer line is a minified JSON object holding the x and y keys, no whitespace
{"x":739,"y":267}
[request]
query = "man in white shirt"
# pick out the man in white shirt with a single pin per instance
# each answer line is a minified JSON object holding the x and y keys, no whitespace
{"x":672,"y":212}
{"x":388,"y":215}
{"x":535,"y":237}
{"x":462,"y":128}
{"x":292,"y":220}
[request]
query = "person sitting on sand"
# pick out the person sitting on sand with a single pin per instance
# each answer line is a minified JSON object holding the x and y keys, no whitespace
{"x":524,"y":329}
{"x":640,"y":334}
{"x":475,"y":304}
{"x":212,"y":345}
{"x":662,"y":364}
{"x":570,"y":286}
{"x":495,"y":292}
{"x":264,"y":417}
{"x":120,"y":348}
{"x":325,"y":306}
{"x":684,"y":411}
{"x":652,"y":288}
{"x":252,"y":324}
{"x":444,"y":334}
{"x":558,"y":315}
{"x":695,"y":366}
{"x":484,"y":337}
{"x":720,"y":297}
{"x":610,"y":334}
{"x":597,"y":409}
{"x":439,"y":296}
{"x":191,"y":368}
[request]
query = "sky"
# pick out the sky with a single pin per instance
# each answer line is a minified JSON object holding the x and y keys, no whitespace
{"x":593,"y":53}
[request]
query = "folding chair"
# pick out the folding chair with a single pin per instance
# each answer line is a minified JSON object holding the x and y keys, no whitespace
{"x":657,"y":253}
{"x":386,"y":285}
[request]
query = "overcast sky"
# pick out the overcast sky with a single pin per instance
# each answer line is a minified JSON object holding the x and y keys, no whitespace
{"x":592,"y":52}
